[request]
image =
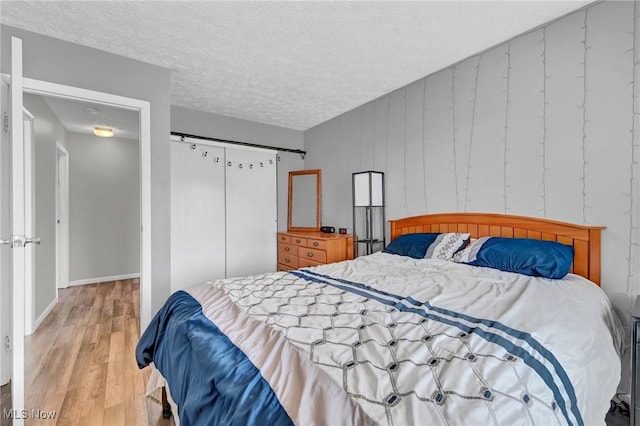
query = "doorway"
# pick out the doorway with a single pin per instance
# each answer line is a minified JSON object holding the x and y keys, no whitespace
{"x":53,"y":90}
{"x":62,"y":216}
{"x":15,"y":324}
{"x":94,"y":314}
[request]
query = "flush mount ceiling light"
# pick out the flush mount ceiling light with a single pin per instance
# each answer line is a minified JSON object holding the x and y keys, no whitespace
{"x":103,"y":132}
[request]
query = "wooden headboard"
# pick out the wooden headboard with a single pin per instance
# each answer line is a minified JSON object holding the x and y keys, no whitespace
{"x":584,"y":239}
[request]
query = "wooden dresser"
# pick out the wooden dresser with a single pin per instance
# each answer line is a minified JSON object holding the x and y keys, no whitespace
{"x":303,"y":249}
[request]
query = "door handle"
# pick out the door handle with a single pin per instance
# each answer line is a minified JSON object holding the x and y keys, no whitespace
{"x":34,"y":240}
{"x":20,"y":241}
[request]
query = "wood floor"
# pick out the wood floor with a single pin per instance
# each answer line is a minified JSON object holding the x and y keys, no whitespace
{"x":80,"y":363}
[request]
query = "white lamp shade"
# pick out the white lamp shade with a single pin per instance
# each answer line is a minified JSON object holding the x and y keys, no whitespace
{"x":367,"y":189}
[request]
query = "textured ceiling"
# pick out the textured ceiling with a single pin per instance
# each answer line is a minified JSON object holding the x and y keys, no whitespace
{"x":291,"y":64}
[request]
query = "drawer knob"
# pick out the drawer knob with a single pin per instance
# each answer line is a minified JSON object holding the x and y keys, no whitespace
{"x":310,"y":254}
{"x":315,"y":244}
{"x":287,"y":249}
{"x":298,"y":241}
{"x":286,"y":259}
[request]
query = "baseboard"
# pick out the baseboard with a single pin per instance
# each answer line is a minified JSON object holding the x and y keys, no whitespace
{"x":102,"y":279}
{"x":43,"y":315}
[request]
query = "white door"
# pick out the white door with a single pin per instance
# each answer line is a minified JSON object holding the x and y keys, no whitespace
{"x":252,"y":211}
{"x":197,"y":214}
{"x":5,"y":229}
{"x":17,"y":240}
{"x":62,"y":216}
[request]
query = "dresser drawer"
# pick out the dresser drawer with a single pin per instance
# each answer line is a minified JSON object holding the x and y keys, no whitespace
{"x":299,"y":241}
{"x":288,"y":249}
{"x":284,"y":239}
{"x":312,"y":254}
{"x":305,"y":263}
{"x":282,"y":267}
{"x":288,"y":259}
{"x":304,"y":249}
{"x":316,"y":244}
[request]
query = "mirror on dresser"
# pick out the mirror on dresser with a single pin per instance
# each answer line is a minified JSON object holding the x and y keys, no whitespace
{"x":305,"y":199}
{"x":303,"y":245}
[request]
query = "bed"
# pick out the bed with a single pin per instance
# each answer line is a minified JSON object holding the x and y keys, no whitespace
{"x":393,"y":339}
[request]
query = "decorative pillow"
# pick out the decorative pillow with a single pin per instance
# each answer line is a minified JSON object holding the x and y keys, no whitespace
{"x":446,"y":245}
{"x":413,"y":245}
{"x":539,"y":258}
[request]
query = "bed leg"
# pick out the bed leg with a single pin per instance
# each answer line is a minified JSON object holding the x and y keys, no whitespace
{"x":166,"y":408}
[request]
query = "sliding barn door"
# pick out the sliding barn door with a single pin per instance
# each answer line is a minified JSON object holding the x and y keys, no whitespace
{"x":251,"y":211}
{"x":197,"y":214}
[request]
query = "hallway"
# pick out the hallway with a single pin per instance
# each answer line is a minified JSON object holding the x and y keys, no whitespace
{"x":81,"y":364}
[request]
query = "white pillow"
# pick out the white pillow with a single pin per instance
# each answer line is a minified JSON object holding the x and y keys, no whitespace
{"x":446,"y":245}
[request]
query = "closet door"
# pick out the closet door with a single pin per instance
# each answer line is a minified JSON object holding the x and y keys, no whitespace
{"x":197,"y":214}
{"x":251,"y":211}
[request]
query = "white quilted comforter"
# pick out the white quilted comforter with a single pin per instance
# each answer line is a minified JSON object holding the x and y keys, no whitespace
{"x":434,"y":342}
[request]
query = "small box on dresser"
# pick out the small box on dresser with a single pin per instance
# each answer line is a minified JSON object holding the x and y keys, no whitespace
{"x":303,"y":249}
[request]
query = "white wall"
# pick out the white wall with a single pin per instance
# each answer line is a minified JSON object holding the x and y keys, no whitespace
{"x":57,"y":61}
{"x":104,"y":206}
{"x":542,"y":125}
{"x":47,"y":129}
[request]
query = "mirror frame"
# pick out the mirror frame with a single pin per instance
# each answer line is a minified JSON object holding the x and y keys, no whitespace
{"x":318,"y":175}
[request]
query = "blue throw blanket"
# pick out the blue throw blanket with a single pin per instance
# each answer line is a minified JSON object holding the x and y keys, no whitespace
{"x":211,"y":380}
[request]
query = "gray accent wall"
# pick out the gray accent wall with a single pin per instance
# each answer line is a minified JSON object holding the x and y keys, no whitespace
{"x":47,"y":130}
{"x":184,"y":120}
{"x":104,"y":206}
{"x":57,"y":61}
{"x":542,"y":125}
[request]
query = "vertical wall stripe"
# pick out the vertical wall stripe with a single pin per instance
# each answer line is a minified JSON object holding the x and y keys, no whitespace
{"x":363,"y":151}
{"x":506,"y":126}
{"x":373,"y":145}
{"x":386,"y":139}
{"x":405,"y":152}
{"x":424,"y":142}
{"x":544,"y":122}
{"x":473,"y":120}
{"x":453,"y":114}
{"x":564,"y":95}
{"x":396,"y":169}
{"x":525,"y":127}
{"x":635,"y":124}
{"x":584,"y":121}
{"x":439,"y":153}
{"x":414,"y":159}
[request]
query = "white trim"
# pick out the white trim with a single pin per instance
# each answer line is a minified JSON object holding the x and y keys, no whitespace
{"x":189,"y":140}
{"x":103,"y":279}
{"x":61,"y":91}
{"x":29,"y":226}
{"x":5,"y":251}
{"x":62,"y":253}
{"x":144,"y":108}
{"x":61,"y":148}
{"x":18,"y":216}
{"x":44,"y":314}
{"x":145,"y":215}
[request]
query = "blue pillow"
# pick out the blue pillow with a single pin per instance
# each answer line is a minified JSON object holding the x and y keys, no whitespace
{"x":412,"y":245}
{"x":537,"y":258}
